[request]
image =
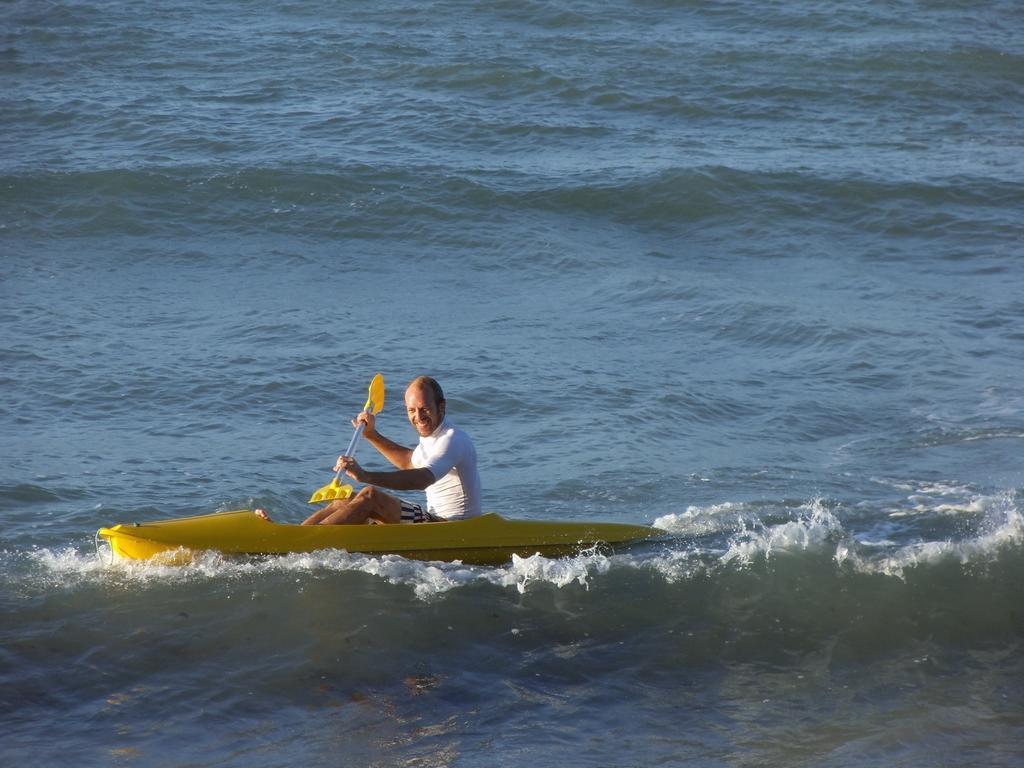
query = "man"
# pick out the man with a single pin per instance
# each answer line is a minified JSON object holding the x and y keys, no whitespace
{"x":443,"y":464}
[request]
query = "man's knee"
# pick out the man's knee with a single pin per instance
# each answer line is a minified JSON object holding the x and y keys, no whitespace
{"x":374,"y":499}
{"x":370,"y":493}
{"x":380,"y":504}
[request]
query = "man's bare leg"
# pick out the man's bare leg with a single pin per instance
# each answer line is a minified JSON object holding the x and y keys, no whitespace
{"x":369,"y":504}
{"x":316,"y":517}
{"x":330,"y":509}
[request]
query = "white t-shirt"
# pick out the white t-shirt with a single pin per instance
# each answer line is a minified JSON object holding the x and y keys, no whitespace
{"x":450,"y":456}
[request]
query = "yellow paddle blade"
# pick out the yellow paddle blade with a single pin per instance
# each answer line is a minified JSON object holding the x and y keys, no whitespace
{"x":376,"y":399}
{"x":331,"y":492}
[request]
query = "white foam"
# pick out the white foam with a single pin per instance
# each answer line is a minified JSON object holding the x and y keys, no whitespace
{"x":702,"y":521}
{"x":880,"y":544}
{"x":676,"y":565}
{"x":943,"y":489}
{"x":430,"y":579}
{"x":929,"y":497}
{"x":924,"y":487}
{"x":812,"y":531}
{"x":69,"y":567}
{"x":561,"y":572}
{"x":1003,"y":527}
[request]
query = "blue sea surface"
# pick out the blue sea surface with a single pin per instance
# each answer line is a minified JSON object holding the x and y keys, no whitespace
{"x":750,"y":272}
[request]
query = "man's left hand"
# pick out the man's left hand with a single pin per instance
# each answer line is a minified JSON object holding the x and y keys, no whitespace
{"x":350,"y":467}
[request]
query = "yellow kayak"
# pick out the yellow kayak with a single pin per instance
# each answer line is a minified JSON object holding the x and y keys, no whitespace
{"x":486,"y":540}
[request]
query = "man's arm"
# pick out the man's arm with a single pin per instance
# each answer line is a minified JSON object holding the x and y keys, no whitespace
{"x":398,"y":480}
{"x":398,"y":455}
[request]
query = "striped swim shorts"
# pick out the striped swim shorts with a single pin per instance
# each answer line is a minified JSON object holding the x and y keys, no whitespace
{"x":414,"y":513}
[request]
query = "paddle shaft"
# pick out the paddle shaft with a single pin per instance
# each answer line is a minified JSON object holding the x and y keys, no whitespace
{"x":355,"y":439}
{"x":351,"y":448}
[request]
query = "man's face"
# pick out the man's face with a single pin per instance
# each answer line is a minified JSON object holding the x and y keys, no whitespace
{"x":423,"y":412}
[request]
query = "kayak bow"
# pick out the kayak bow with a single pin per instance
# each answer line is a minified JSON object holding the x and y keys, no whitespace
{"x":486,"y":540}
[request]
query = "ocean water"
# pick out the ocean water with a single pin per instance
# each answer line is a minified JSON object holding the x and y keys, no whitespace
{"x":751,"y":272}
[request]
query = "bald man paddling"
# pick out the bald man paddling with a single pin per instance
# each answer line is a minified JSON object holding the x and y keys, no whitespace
{"x":443,"y":464}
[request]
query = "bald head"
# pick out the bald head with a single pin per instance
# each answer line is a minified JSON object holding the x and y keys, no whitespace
{"x":430,"y":385}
